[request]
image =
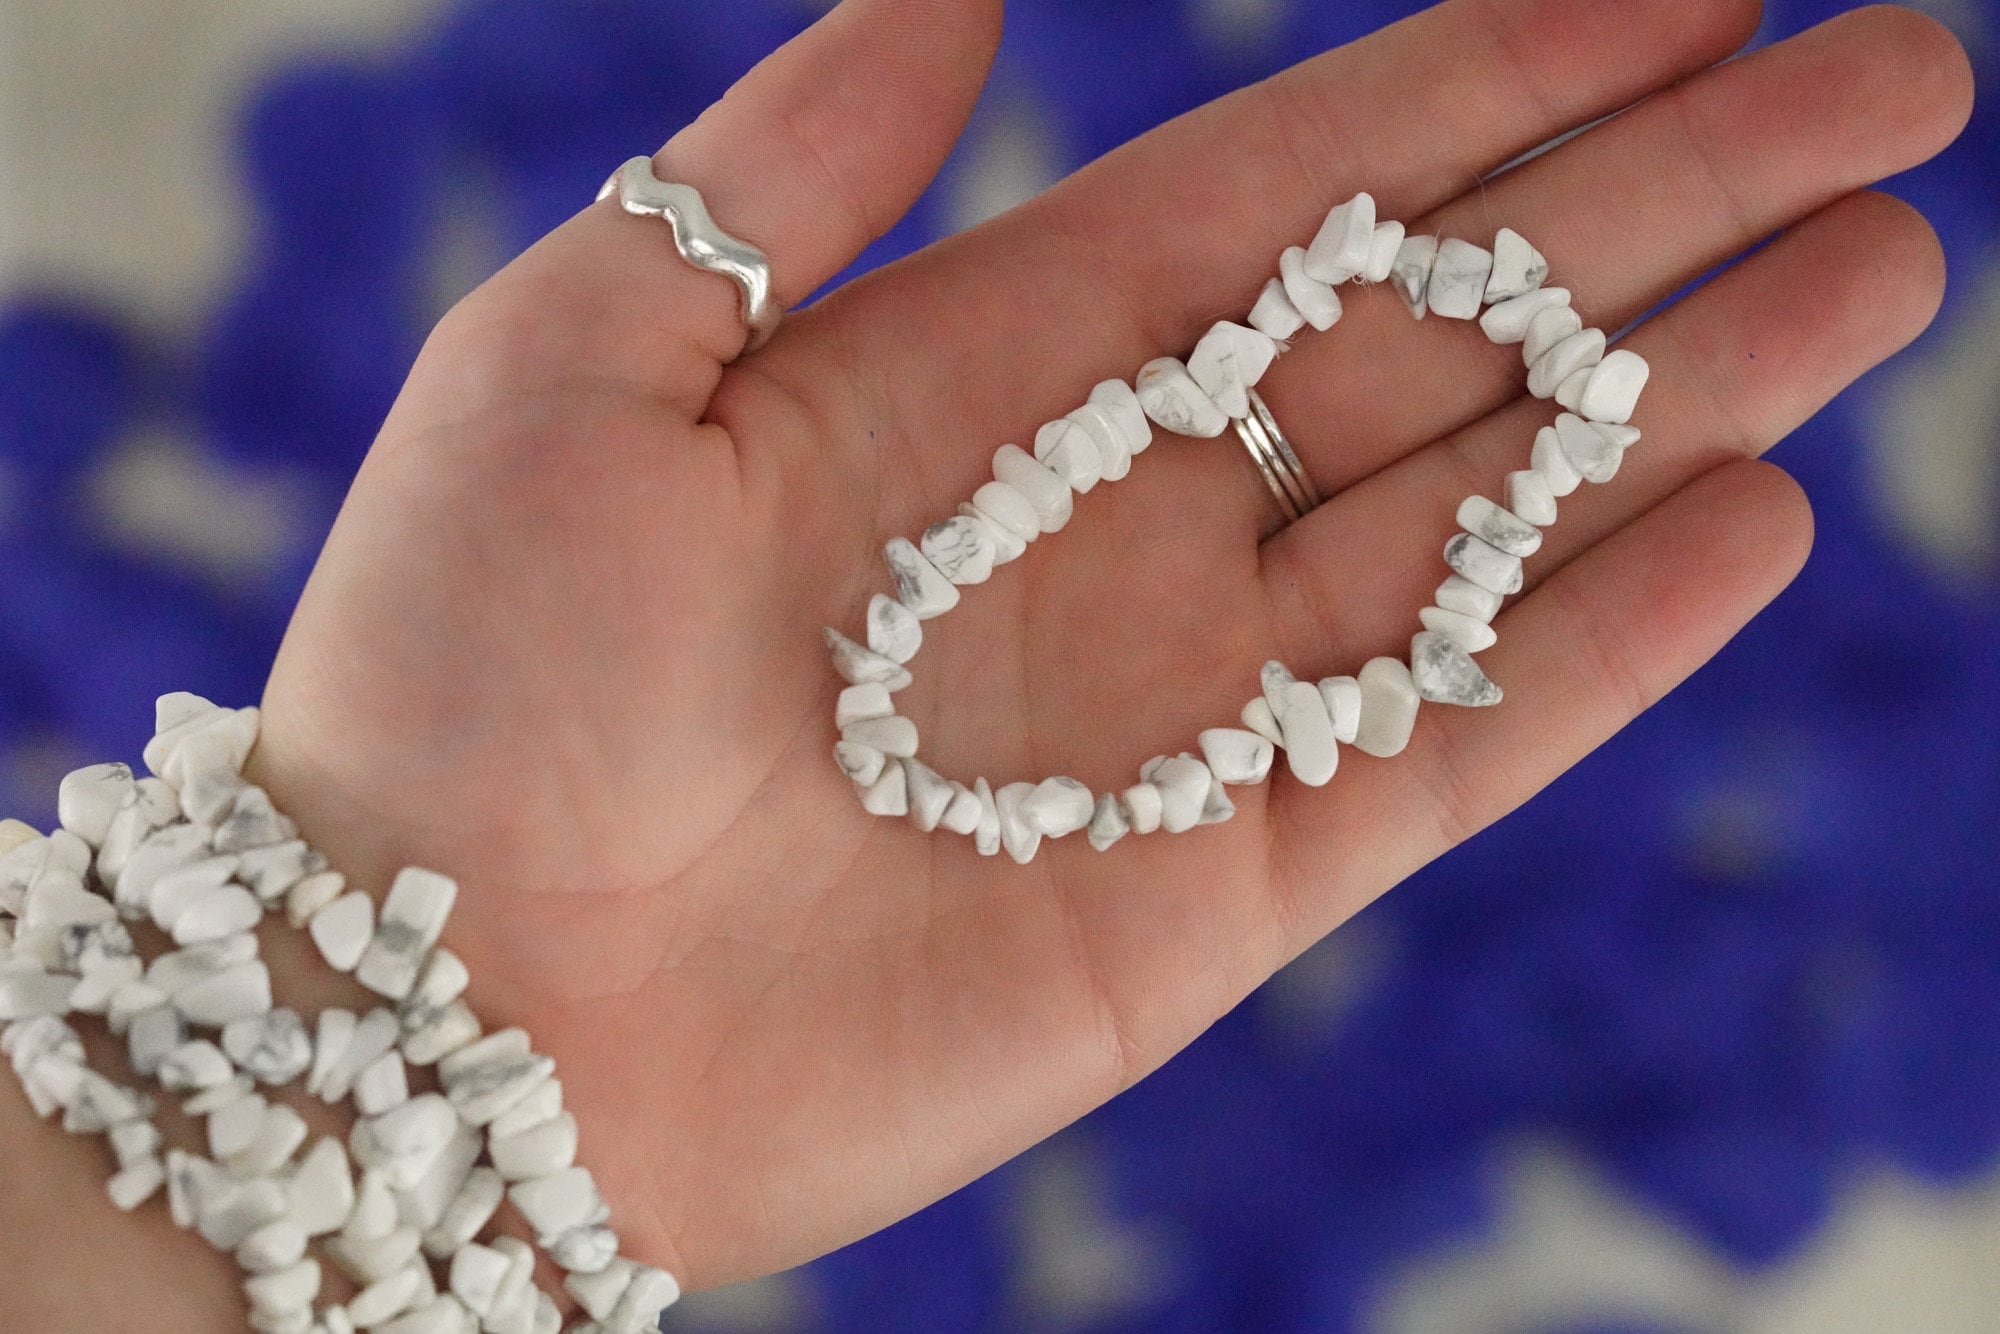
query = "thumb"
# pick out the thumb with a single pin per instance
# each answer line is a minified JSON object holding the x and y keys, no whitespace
{"x":814,"y":153}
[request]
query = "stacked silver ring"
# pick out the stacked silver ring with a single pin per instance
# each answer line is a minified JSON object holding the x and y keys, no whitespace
{"x":1274,"y":457}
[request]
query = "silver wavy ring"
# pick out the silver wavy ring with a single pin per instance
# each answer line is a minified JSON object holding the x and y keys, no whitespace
{"x":1275,"y":459}
{"x":700,"y":241}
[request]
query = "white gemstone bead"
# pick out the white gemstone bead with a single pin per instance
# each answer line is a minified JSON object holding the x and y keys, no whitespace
{"x":1341,"y":248}
{"x":1582,"y":349}
{"x":894,"y":735}
{"x":231,"y":1128}
{"x":1057,"y":806}
{"x":195,"y":1065}
{"x":1258,"y":717}
{"x":211,"y":1100}
{"x":412,"y":917}
{"x":536,"y":1151}
{"x":859,"y":665}
{"x":178,"y":890}
{"x":1236,"y":756}
{"x":1589,"y":451}
{"x":271,"y":872}
{"x":598,"y":1293}
{"x":1274,"y":316}
{"x":1107,"y":822}
{"x":1049,"y":494}
{"x":558,"y":1202}
{"x":1216,"y":807}
{"x":1382,"y":248}
{"x":1498,"y":527}
{"x":920,"y":585}
{"x":134,"y":1141}
{"x":374,"y":1215}
{"x":1006,"y":543}
{"x":476,"y":1275}
{"x":381,"y":1300}
{"x":1445,"y":673}
{"x":861,"y":763}
{"x":1274,"y":676}
{"x":320,"y":1194}
{"x":893,"y":629}
{"x":1530,"y":496}
{"x":889,"y":794}
{"x":1617,"y":433}
{"x":1122,"y":404}
{"x":1507,"y":321}
{"x":986,"y":834}
{"x":488,"y":1090}
{"x":383,"y":1085}
{"x":90,"y":798}
{"x":1459,"y":594}
{"x":864,"y":701}
{"x":252,"y":822}
{"x":1469,"y":633}
{"x":343,"y":929}
{"x":1017,"y":836}
{"x":1411,"y":274}
{"x":26,"y":993}
{"x":1570,"y":392}
{"x":1549,"y":460}
{"x":927,"y":793}
{"x":231,"y":1211}
{"x":1458,"y":278}
{"x":1518,"y":267}
{"x":1114,"y":453}
{"x":1183,"y":783}
{"x":1310,"y":750}
{"x":1005,"y":507}
{"x":335,"y":1030}
{"x":376,"y":1032}
{"x":1143,"y":806}
{"x":272,"y":1048}
{"x":423,"y":1204}
{"x":135,"y":1183}
{"x":289,"y":1289}
{"x":311,"y":894}
{"x":1228,"y":360}
{"x":1612,"y":391}
{"x":272,"y":1247}
{"x":961,"y":814}
{"x":1173,"y":400}
{"x":220,"y":912}
{"x":1066,"y":449}
{"x":229,"y":994}
{"x":1388,"y":707}
{"x":1484,"y":564}
{"x":1342,"y":697}
{"x":585,"y":1250}
{"x":960,"y":549}
{"x":1315,"y":300}
{"x":650,"y":1292}
{"x":1546,"y":330}
{"x":469,"y":1211}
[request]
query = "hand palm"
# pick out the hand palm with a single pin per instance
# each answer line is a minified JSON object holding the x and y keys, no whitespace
{"x":563,"y":642}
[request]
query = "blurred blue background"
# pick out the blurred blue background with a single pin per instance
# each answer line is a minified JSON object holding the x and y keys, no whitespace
{"x":1721,"y":1055}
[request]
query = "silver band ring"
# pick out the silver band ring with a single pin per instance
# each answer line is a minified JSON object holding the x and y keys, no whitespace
{"x":701,"y":242}
{"x":1276,"y":460}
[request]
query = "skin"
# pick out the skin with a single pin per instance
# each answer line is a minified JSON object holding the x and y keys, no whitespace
{"x":563,"y":641}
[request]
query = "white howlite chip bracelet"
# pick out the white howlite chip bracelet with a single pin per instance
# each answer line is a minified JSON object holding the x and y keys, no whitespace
{"x":1375,"y":710}
{"x":405,"y":1207}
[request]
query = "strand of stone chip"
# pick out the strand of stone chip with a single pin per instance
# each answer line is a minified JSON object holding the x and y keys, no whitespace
{"x":189,"y":848}
{"x":1374,"y":710}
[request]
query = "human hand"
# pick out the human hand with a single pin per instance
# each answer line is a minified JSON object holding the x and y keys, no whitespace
{"x":563,"y":641}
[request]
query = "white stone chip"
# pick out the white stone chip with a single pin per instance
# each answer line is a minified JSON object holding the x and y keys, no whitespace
{"x":1459,"y":594}
{"x":343,"y":930}
{"x":1458,"y":279}
{"x":404,"y":1142}
{"x":961,"y":813}
{"x":1274,"y":676}
{"x":1570,"y":392}
{"x":1183,"y":784}
{"x":1107,"y":822}
{"x":1174,"y":401}
{"x":174,"y":893}
{"x":223,"y":911}
{"x":1216,"y":806}
{"x":230,"y":994}
{"x":292,"y":1288}
{"x":558,"y":1202}
{"x":1507,"y":321}
{"x":1065,"y":448}
{"x":962,"y":549}
{"x":926,"y":793}
{"x":1499,"y":527}
{"x":383,"y":1085}
{"x":271,"y":872}
{"x":895,"y":735}
{"x":334,"y":1031}
{"x":134,"y":1141}
{"x":1518,"y":268}
{"x":214,"y":1099}
{"x":1612,"y":391}
{"x":228,"y":1212}
{"x":1446,"y":674}
{"x":920,"y":585}
{"x":1530,"y":496}
{"x":1006,"y":508}
{"x":274,"y":1246}
{"x":204,"y":741}
{"x":232,"y":1128}
{"x":1007,"y":544}
{"x":272,"y":1048}
{"x":374,"y":1034}
{"x":1273,"y":315}
{"x":1468,"y":632}
{"x":1236,"y":756}
{"x":1588,"y":450}
{"x":310,"y":895}
{"x":1484,"y":564}
{"x":1342,"y":697}
{"x":1549,"y":460}
{"x":1017,"y":836}
{"x":1382,"y":250}
{"x":650,"y":1292}
{"x":374,"y":1214}
{"x":585,"y":1250}
{"x":381,"y":1300}
{"x":1259,"y":718}
{"x":986,"y":834}
{"x":1121,"y":402}
{"x":1110,"y":435}
{"x":1049,"y":494}
{"x":194,"y":1065}
{"x":1388,"y":707}
{"x":860,"y":665}
{"x":1547,"y":330}
{"x":476,"y":1275}
{"x":1310,"y":750}
{"x":253,"y":822}
{"x":1228,"y":360}
{"x":1318,"y":302}
{"x":412,"y":917}
{"x":1144,"y":807}
{"x":861,"y":763}
{"x":135,"y":1183}
{"x":1342,"y":247}
{"x":894,"y":631}
{"x":468,"y":1213}
{"x":423,"y":1203}
{"x":598,"y":1293}
{"x":27,"y":992}
{"x":1058,"y":806}
{"x":90,"y":798}
{"x":320,"y":1194}
{"x":164,"y":852}
{"x":536,"y":1151}
{"x":487,"y":1090}
{"x":858,"y":702}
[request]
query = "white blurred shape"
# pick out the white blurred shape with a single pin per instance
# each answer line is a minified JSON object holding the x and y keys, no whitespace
{"x":160,"y":496}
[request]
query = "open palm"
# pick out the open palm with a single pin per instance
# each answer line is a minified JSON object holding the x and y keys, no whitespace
{"x":563,"y":643}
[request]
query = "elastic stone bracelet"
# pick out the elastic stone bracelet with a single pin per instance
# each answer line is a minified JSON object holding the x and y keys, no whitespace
{"x":1374,"y":710}
{"x":204,"y":856}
